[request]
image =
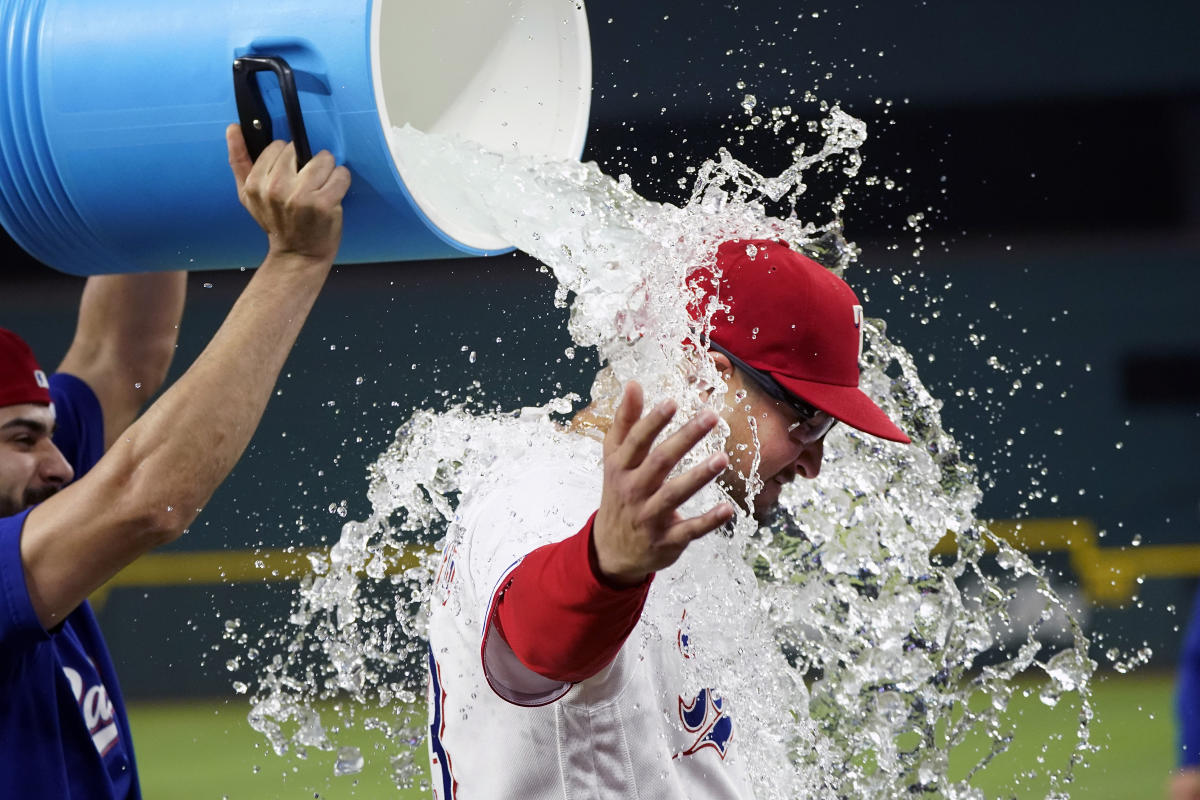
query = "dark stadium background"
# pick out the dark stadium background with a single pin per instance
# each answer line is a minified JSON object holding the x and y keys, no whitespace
{"x":1053,"y":150}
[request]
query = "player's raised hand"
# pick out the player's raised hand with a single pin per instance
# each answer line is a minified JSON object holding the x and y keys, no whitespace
{"x":638,"y":529}
{"x":301,"y":210}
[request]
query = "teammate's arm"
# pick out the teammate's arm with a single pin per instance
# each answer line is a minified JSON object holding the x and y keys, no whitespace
{"x":157,"y":476}
{"x":124,"y":341}
{"x":1185,"y":783}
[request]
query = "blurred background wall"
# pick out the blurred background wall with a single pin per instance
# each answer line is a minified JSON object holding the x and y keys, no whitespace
{"x":1052,"y":148}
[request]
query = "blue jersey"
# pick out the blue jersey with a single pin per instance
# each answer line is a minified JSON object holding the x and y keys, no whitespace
{"x":1187,"y":693}
{"x":63,"y":728}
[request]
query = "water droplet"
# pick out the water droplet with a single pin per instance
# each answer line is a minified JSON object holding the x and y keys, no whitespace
{"x":349,"y":761}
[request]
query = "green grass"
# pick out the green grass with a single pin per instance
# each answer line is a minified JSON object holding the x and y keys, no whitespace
{"x":199,"y":750}
{"x":1133,"y":727}
{"x":207,"y":751}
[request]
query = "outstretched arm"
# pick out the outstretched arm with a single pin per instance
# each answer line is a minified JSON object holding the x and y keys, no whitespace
{"x":124,"y":341}
{"x":1185,"y":783}
{"x":589,"y":589}
{"x":157,"y":476}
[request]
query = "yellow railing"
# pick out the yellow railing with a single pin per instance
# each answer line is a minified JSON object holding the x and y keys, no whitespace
{"x":208,"y":567}
{"x":1107,"y":575}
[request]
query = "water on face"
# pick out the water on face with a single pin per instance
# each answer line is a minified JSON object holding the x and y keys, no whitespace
{"x":855,"y":660}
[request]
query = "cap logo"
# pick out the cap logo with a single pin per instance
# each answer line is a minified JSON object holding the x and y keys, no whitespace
{"x":39,"y":378}
{"x":858,"y":323}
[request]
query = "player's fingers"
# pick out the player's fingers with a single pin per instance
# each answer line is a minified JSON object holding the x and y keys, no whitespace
{"x":643,"y":433}
{"x":678,"y":490}
{"x":336,"y":185}
{"x":239,"y":156}
{"x":689,"y":530}
{"x":260,"y":173}
{"x":316,"y":172}
{"x":285,"y":166}
{"x":267,"y":158}
{"x":659,"y":463}
{"x":281,"y":179}
{"x":629,"y":411}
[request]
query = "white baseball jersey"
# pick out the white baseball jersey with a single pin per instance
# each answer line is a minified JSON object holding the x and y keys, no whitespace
{"x":641,"y":728}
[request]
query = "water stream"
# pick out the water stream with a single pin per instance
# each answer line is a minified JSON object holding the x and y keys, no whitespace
{"x":873,"y":660}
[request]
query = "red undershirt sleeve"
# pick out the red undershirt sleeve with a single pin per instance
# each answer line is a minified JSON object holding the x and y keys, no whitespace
{"x":559,"y":617}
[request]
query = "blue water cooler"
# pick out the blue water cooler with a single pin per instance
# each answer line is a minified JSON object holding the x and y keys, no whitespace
{"x":112,"y":153}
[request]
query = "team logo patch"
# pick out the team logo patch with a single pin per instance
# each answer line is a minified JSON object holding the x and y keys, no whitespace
{"x":704,"y":717}
{"x":682,"y":640}
{"x":39,"y":378}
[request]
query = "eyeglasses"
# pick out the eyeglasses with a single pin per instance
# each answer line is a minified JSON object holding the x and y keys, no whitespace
{"x":812,"y":424}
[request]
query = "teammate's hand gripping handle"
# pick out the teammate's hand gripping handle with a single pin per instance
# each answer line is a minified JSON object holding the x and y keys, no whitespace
{"x":639,"y":529}
{"x":301,"y":210}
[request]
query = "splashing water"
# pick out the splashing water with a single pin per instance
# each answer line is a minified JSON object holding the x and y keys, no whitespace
{"x":870,"y":661}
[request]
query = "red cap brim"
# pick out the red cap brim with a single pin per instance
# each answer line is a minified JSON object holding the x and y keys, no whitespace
{"x":847,"y":404}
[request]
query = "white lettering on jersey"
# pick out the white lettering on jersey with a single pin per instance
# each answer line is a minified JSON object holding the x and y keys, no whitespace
{"x":76,"y":681}
{"x":858,"y":323}
{"x":97,"y":710}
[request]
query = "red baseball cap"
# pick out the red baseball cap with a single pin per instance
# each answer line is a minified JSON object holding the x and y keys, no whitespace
{"x":792,"y":318}
{"x":21,"y":380}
